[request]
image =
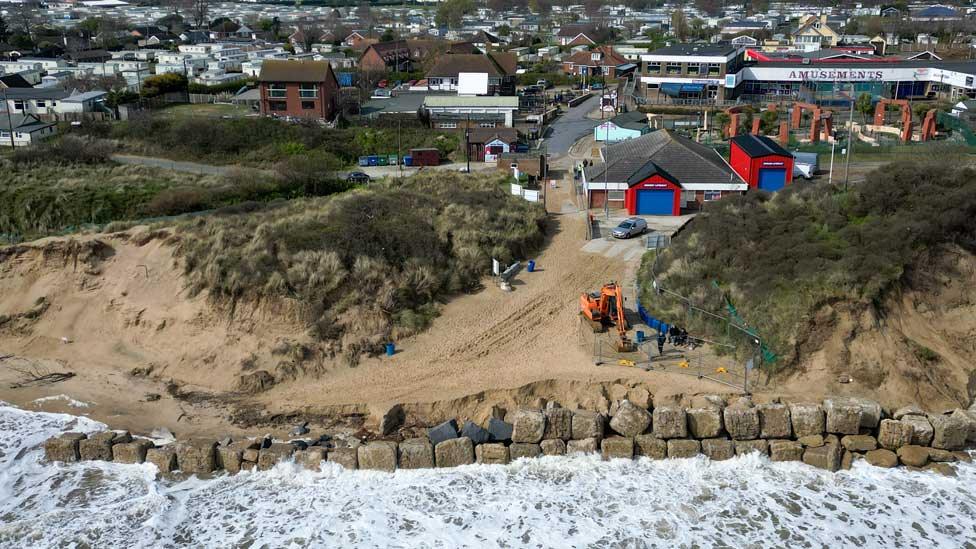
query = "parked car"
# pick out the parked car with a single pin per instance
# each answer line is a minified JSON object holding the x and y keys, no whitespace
{"x":358,"y":177}
{"x":596,"y":86}
{"x":381,"y":93}
{"x":629,"y":227}
{"x":544,"y":84}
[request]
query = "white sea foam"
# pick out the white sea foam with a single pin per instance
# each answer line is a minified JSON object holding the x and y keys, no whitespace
{"x":68,"y":400}
{"x":549,"y":502}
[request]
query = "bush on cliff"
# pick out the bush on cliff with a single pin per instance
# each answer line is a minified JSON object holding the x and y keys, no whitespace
{"x":779,"y":258}
{"x":368,"y":265}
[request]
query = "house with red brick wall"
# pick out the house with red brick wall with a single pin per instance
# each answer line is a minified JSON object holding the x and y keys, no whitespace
{"x":598,"y":61}
{"x":299,"y":89}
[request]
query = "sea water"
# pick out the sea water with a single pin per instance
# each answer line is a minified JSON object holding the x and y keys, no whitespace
{"x":548,"y":502}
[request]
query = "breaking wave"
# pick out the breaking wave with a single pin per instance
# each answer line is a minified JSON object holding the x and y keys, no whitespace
{"x":547,"y":502}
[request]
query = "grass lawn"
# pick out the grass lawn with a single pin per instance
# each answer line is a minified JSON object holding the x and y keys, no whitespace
{"x":208,"y":110}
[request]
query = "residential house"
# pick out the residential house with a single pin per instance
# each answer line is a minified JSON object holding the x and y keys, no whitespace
{"x":814,"y":33}
{"x":299,"y":89}
{"x":459,"y":111}
{"x":576,"y":35}
{"x":936,"y":13}
{"x":500,"y":68}
{"x":20,"y":130}
{"x":600,"y":61}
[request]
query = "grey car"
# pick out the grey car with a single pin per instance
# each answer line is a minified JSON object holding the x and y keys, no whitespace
{"x":629,"y":227}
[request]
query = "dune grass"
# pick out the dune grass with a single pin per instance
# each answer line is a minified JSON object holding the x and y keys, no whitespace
{"x":367,"y":266}
{"x":780,"y":258}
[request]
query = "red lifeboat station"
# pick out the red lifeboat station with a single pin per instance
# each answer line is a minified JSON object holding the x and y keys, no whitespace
{"x":652,"y":191}
{"x":761,"y":162}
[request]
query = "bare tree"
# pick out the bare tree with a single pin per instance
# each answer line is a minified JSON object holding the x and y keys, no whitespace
{"x":25,"y":17}
{"x":197,"y":11}
{"x":308,"y":33}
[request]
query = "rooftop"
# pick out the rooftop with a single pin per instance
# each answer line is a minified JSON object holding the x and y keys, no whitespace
{"x":281,"y":70}
{"x":696,"y":49}
{"x":759,"y":145}
{"x":451,"y":101}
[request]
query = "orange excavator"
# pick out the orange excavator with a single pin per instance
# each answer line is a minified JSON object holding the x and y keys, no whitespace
{"x":604,"y":308}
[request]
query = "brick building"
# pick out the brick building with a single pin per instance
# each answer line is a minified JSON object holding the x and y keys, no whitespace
{"x":599,"y":61}
{"x":300,"y":89}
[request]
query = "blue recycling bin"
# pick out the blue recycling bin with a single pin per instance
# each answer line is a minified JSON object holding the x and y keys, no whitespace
{"x":531,"y":267}
{"x":390,"y":349}
{"x":640,"y":336}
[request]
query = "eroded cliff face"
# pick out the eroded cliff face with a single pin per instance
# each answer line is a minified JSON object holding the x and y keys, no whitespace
{"x":917,"y":347}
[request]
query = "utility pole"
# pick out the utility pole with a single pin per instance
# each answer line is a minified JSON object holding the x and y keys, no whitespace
{"x":606,"y":170}
{"x":10,"y":123}
{"x":467,"y":143}
{"x":399,"y":157}
{"x":850,"y":141}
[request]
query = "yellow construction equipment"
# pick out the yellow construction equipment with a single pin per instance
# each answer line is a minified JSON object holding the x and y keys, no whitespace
{"x":604,"y":308}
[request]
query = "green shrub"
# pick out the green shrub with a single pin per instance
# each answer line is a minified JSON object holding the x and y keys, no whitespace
{"x":367,"y":265}
{"x":780,"y":258}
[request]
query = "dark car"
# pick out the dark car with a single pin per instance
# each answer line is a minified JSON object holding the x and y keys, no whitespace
{"x":358,"y":177}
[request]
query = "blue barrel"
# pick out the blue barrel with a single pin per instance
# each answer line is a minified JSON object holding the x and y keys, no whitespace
{"x":640,"y":336}
{"x":374,"y":160}
{"x":390,"y":349}
{"x":531,"y":267}
{"x":408,"y":161}
{"x":364,"y":161}
{"x":345,"y":79}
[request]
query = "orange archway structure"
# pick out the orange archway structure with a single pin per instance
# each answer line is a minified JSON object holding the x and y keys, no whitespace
{"x":906,"y":116}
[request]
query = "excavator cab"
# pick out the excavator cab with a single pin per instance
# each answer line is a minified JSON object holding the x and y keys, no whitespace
{"x":605,"y":308}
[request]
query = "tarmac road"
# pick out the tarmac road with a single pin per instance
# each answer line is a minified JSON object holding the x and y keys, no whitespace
{"x":568,"y":128}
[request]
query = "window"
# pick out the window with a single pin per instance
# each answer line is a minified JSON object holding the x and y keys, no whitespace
{"x":615,"y":195}
{"x":486,"y":124}
{"x":277,"y":90}
{"x":673,"y":68}
{"x":448,"y":125}
{"x":18,"y":105}
{"x":41,"y":103}
{"x":694,"y":69}
{"x":712,"y":195}
{"x":308,"y":91}
{"x":277,"y":106}
{"x":714,"y":68}
{"x":654,"y":68}
{"x":308,"y":105}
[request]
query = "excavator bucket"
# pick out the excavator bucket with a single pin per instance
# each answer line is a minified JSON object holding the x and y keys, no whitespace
{"x":625,"y":345}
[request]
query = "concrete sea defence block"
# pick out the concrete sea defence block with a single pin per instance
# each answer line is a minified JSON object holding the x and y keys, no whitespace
{"x":741,"y":422}
{"x":650,"y":446}
{"x":274,"y":454}
{"x":718,"y":449}
{"x":442,"y":432}
{"x":559,"y":424}
{"x":553,"y":447}
{"x":475,"y":432}
{"x":914,"y":456}
{"x":528,"y":426}
{"x":311,"y":458}
{"x":871,"y":412}
{"x":911,"y":410}
{"x":843,"y":416}
{"x":524,"y":450}
{"x":617,"y":448}
{"x":163,"y":458}
{"x":859,"y":443}
{"x":670,"y":422}
{"x":454,"y":452}
{"x":587,"y":425}
{"x":683,"y":448}
{"x":347,"y":458}
{"x":949,"y":431}
{"x":882,"y":458}
{"x":97,"y":446}
{"x":417,"y":453}
{"x":922,"y":431}
{"x":379,"y":455}
{"x":774,"y":421}
{"x":894,"y":434}
{"x":131,"y":452}
{"x":583,"y":446}
{"x":705,"y":422}
{"x":631,"y":420}
{"x":743,"y":447}
{"x":785,"y":450}
{"x":196,"y":456}
{"x":826,"y":457}
{"x":807,"y":419}
{"x":492,"y":454}
{"x":64,"y":448}
{"x":499,"y":431}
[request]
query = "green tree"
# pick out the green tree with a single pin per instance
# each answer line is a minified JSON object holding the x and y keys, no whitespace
{"x":720,"y":120}
{"x":451,"y":13}
{"x":4,"y":32}
{"x":864,"y":105}
{"x":769,"y":118}
{"x":504,"y":30}
{"x":679,"y":24}
{"x":163,"y":83}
